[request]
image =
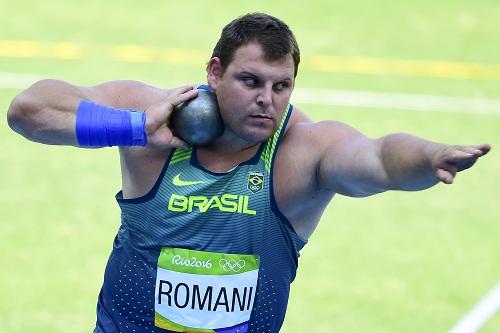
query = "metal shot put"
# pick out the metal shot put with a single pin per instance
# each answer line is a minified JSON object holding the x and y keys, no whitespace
{"x":198,"y":121}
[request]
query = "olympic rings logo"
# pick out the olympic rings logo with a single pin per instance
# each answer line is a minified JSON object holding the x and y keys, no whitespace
{"x":232,"y":265}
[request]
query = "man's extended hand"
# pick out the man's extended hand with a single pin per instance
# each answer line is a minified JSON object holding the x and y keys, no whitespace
{"x":448,"y":160}
{"x":160,"y":136}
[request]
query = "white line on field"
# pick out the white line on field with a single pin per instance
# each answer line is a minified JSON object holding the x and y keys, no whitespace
{"x":399,"y":101}
{"x":17,"y":81}
{"x":350,"y":98}
{"x":480,"y":313}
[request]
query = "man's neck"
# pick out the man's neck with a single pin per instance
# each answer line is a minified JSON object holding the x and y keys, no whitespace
{"x":222,"y":155}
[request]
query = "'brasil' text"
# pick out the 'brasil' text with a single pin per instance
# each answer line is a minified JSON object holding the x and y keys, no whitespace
{"x":229,"y":203}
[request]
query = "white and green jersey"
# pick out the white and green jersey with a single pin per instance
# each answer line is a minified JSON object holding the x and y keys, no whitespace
{"x":203,"y":251}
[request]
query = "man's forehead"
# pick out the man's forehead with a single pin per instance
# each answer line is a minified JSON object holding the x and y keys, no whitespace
{"x":251,"y":58}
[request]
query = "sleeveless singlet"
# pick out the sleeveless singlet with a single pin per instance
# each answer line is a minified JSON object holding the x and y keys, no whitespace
{"x":202,"y":251}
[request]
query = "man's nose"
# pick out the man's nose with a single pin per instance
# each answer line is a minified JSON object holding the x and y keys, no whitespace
{"x":265,"y":97}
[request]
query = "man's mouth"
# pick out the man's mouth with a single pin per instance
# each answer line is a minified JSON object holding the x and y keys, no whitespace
{"x":261,"y":116}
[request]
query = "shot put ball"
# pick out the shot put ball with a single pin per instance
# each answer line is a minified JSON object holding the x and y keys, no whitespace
{"x":198,"y":121}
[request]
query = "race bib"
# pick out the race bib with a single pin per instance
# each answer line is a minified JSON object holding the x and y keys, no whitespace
{"x":199,"y":291}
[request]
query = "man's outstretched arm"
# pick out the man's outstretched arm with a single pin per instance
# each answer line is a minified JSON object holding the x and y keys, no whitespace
{"x":354,"y":165}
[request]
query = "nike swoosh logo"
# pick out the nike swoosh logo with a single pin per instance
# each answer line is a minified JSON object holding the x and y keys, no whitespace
{"x":177,"y":181}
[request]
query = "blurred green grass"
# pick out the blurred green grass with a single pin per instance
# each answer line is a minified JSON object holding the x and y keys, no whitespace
{"x":397,"y":262}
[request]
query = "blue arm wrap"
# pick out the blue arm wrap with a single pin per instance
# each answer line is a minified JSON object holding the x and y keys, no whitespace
{"x":103,"y":126}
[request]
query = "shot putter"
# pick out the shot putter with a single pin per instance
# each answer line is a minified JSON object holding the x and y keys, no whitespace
{"x":198,"y":121}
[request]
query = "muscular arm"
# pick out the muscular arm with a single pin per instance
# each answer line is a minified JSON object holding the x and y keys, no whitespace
{"x":354,"y":165}
{"x":317,"y":160}
{"x":46,"y":112}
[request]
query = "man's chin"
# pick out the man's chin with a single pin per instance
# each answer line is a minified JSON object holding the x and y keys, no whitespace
{"x":247,"y":137}
{"x":259,"y":136}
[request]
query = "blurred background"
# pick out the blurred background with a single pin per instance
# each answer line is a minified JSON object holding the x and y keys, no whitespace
{"x":396,"y":262}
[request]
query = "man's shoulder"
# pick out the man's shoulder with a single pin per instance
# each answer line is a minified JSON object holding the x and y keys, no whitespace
{"x":302,"y":129}
{"x":308,"y":141}
{"x":128,"y":94}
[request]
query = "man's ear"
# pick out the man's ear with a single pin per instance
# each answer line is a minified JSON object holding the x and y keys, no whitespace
{"x":214,"y":73}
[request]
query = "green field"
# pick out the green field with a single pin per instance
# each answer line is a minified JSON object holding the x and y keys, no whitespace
{"x":396,"y":262}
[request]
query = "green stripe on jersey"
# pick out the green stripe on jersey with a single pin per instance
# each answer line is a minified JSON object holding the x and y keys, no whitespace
{"x":180,"y":155}
{"x":267,"y":154}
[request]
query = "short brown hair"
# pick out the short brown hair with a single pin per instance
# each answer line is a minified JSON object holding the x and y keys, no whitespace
{"x":273,"y":35}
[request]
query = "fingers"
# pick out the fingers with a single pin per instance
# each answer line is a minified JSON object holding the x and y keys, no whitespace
{"x":472,"y":150}
{"x":158,"y":114}
{"x":454,"y":159}
{"x":476,"y":150}
{"x":465,"y":157}
{"x":460,"y":153}
{"x":461,"y":159}
{"x":178,"y":143}
{"x":484,"y":149}
{"x":445,"y":176}
{"x":181,"y":95}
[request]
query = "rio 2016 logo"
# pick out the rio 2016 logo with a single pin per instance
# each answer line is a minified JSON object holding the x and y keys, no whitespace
{"x":192,"y":262}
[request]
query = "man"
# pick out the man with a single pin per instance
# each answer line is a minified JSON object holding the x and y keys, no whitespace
{"x":210,"y":235}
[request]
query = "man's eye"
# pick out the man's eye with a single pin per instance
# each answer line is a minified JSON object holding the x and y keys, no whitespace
{"x":250,"y":81}
{"x":280,"y":86}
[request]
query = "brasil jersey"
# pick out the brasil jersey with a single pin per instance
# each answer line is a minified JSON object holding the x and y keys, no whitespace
{"x":202,"y":251}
